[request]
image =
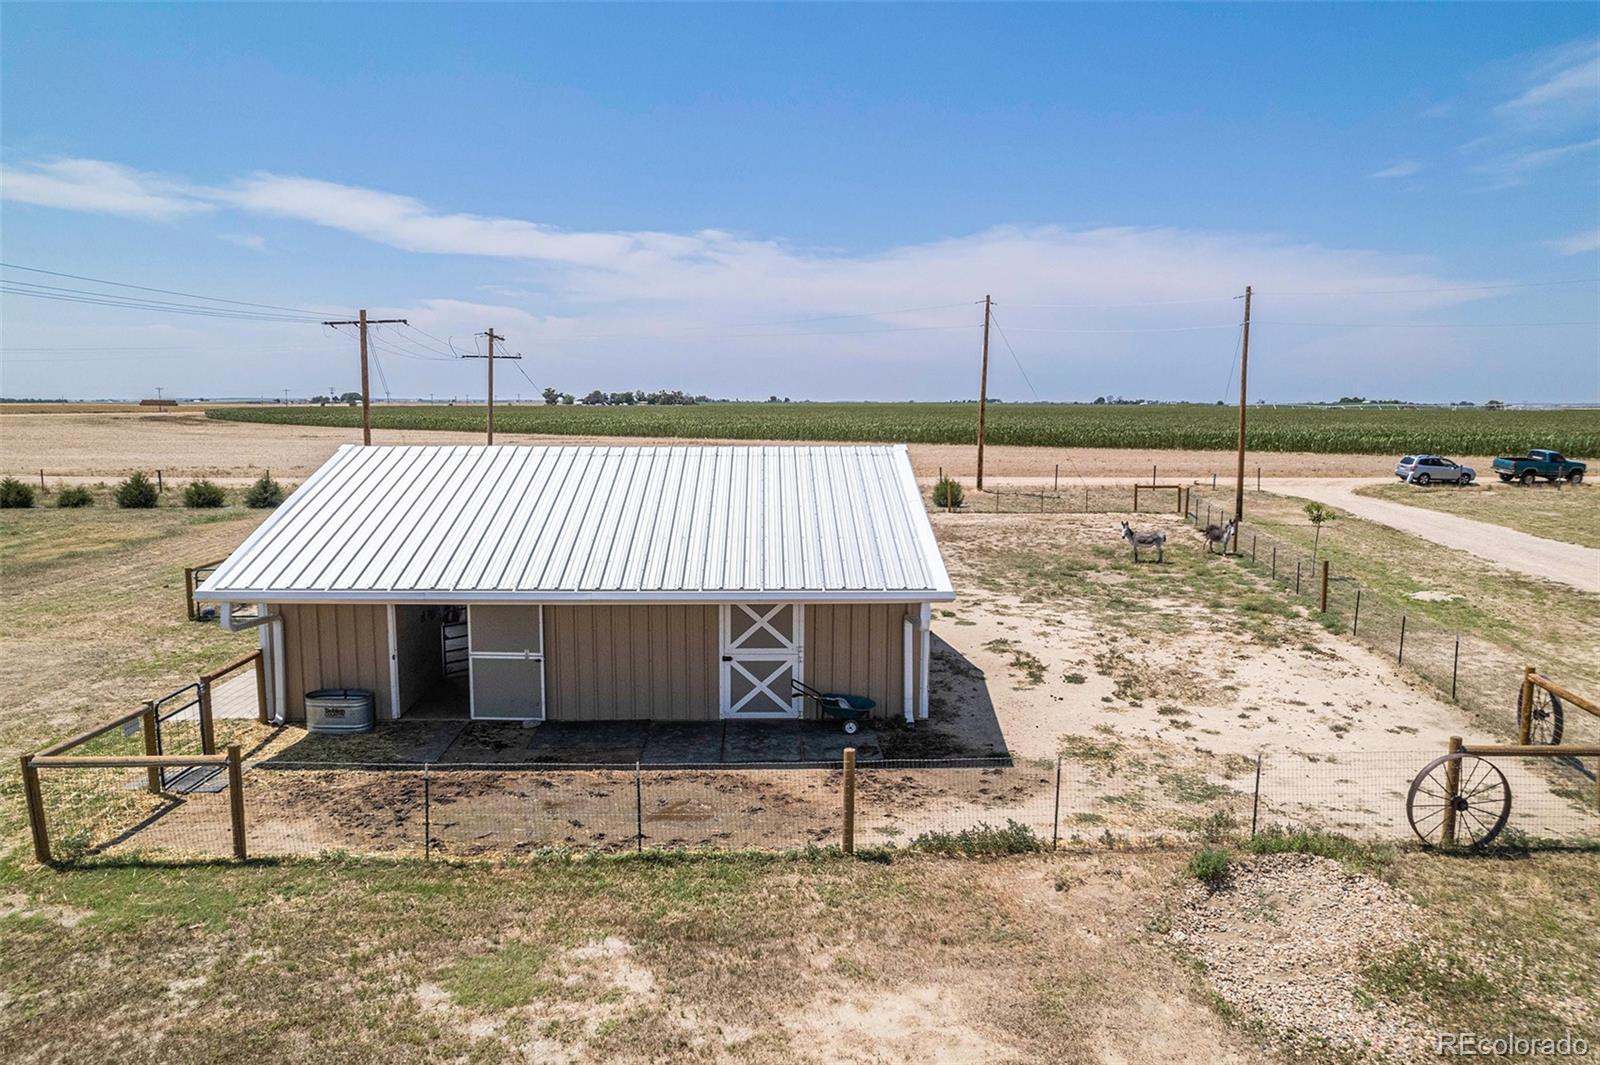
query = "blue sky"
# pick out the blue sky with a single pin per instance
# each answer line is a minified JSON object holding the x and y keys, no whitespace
{"x":669,"y":196}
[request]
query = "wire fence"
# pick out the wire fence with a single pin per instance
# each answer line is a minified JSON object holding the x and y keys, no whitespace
{"x":455,"y":811}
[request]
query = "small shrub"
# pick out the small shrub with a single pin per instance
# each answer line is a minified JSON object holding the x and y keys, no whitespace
{"x":14,"y":495}
{"x":947,"y":493}
{"x":264,"y":494}
{"x":1211,"y":866}
{"x":202,"y":494}
{"x":981,"y":841}
{"x":137,"y":493}
{"x":74,"y":497}
{"x":1376,"y":859}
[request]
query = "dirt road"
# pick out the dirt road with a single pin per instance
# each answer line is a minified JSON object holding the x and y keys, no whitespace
{"x":1509,"y":549}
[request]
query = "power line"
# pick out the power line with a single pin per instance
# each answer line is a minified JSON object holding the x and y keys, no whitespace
{"x":1001,"y":330}
{"x":162,"y":291}
{"x":107,"y":299}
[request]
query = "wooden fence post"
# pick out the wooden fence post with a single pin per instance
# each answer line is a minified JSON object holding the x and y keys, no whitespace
{"x":1525,"y":708}
{"x":208,"y":738}
{"x":849,"y":800}
{"x":236,"y":799}
{"x":261,"y":687}
{"x":35,"y":803}
{"x":152,"y":745}
{"x":188,"y":590}
{"x":1452,"y":786}
{"x":1324,"y":608}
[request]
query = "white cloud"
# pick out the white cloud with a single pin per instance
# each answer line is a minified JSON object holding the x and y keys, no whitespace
{"x":253,"y":241}
{"x":1558,"y":81}
{"x":1577,"y":243}
{"x":101,"y":187}
{"x":1403,"y":168}
{"x":1515,"y":168}
{"x":728,"y":314}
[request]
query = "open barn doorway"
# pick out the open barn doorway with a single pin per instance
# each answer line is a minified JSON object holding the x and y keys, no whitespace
{"x":431,"y":661}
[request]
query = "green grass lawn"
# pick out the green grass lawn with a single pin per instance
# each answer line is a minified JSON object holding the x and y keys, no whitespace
{"x":1569,"y":514}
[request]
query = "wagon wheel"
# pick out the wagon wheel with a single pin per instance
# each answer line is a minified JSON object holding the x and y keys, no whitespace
{"x":1548,"y":720}
{"x":1482,"y":801}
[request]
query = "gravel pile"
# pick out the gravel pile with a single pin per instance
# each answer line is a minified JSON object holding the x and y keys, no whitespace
{"x":1285,"y":941}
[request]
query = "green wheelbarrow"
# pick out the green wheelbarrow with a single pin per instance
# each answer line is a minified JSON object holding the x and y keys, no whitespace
{"x":851,"y":709}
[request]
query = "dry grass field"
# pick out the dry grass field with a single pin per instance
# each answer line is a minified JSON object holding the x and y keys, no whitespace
{"x":1156,"y":682}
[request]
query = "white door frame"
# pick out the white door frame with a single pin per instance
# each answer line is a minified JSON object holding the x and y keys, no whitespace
{"x":730,"y":657}
{"x":527,"y":655}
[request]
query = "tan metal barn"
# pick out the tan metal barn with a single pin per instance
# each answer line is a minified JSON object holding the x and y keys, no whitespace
{"x":591,"y":583}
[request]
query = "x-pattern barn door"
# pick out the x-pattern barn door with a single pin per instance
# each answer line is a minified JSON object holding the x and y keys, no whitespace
{"x":761,"y":658}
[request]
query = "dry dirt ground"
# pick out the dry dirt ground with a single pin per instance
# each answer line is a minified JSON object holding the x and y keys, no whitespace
{"x":95,"y":446}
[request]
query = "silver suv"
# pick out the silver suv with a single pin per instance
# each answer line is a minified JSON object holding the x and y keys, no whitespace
{"x":1425,"y":469}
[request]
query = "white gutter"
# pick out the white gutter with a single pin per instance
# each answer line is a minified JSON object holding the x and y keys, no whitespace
{"x":464,"y":597}
{"x":907,"y":694}
{"x":274,"y":624}
{"x":925,"y":624}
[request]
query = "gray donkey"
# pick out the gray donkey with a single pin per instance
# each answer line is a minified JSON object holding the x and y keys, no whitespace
{"x":1219,"y":534}
{"x":1148,"y":538}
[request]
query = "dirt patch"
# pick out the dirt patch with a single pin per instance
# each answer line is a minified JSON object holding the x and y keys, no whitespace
{"x":1284,"y":943}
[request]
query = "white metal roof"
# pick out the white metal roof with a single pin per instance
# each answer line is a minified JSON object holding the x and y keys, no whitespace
{"x":643,"y":524}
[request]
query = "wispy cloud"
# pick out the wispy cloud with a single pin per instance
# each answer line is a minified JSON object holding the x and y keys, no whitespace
{"x":253,"y":241}
{"x":1403,"y":168}
{"x":644,"y":307}
{"x":1558,"y":81}
{"x":101,"y":187}
{"x":1514,"y":168}
{"x":1577,"y":243}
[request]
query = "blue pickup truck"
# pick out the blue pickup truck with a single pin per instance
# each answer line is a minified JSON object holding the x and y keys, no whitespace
{"x":1537,"y":463}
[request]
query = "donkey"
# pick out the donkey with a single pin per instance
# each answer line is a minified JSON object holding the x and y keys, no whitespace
{"x":1219,"y":534}
{"x":1136,"y":540}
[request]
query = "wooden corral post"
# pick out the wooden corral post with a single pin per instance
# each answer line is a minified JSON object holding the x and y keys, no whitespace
{"x":208,"y":736}
{"x":236,"y":799}
{"x":1452,"y":786}
{"x":1324,"y":606}
{"x":152,"y":745}
{"x":849,"y":800}
{"x":1525,"y":708}
{"x":35,"y":803}
{"x":188,"y":590}
{"x":261,"y":687}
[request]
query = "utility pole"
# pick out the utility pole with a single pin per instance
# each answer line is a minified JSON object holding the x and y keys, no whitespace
{"x":366,"y":397}
{"x":1244,"y":373}
{"x":983,"y":386}
{"x":493,"y":336}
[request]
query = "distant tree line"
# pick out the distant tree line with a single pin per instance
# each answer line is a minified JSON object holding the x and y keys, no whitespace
{"x":660,"y":398}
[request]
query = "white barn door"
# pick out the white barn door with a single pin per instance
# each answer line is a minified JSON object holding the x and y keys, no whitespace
{"x":762,"y":655}
{"x":505,"y":660}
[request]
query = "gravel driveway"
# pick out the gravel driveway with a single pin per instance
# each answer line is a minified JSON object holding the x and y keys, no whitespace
{"x":1509,"y":549}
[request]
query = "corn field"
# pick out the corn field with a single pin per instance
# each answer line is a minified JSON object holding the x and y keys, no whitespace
{"x":1188,"y":426}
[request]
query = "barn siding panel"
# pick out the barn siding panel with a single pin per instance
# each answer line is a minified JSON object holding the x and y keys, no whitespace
{"x":858,"y":649}
{"x":609,"y":663}
{"x":335,"y":646}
